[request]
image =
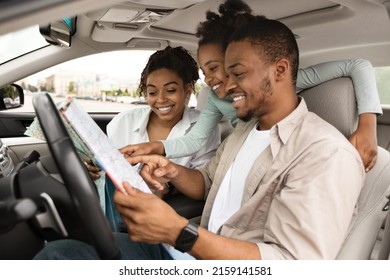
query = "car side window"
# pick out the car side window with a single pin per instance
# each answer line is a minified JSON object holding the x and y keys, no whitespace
{"x":382,"y":75}
{"x":105,"y":82}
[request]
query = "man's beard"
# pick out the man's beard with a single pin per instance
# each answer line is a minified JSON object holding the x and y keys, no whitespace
{"x":266,"y":88}
{"x":247,"y":117}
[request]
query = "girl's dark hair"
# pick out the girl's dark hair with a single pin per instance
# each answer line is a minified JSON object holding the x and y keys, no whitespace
{"x":177,"y":60}
{"x":218,"y":27}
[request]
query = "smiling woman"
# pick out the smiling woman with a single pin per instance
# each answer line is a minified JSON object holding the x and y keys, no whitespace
{"x":167,"y":81}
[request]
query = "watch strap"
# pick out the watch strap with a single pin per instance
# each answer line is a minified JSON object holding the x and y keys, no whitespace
{"x":187,"y":237}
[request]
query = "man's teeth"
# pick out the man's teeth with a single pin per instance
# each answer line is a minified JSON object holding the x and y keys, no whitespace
{"x":164,"y":109}
{"x":238,"y":98}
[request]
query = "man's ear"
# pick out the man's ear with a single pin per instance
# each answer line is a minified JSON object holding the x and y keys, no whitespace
{"x":282,"y":68}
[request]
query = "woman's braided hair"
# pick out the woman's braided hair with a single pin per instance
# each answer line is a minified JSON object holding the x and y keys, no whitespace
{"x":175,"y":59}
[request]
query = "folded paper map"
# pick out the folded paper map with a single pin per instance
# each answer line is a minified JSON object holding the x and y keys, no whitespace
{"x":109,"y":159}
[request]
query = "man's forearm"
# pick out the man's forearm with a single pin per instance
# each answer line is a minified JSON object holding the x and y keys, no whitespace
{"x":189,"y":182}
{"x":210,"y":246}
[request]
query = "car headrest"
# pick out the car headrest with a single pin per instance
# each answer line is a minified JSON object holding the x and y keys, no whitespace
{"x":335,"y":102}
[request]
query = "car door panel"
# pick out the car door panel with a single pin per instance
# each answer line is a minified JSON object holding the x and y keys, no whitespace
{"x":13,"y":126}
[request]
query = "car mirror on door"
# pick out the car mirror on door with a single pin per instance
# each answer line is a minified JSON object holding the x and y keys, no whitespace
{"x":11,"y":96}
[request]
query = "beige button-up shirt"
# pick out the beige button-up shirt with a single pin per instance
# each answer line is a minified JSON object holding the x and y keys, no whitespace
{"x":300,"y":195}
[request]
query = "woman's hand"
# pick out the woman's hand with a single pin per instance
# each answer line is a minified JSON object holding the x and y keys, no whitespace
{"x":147,"y":148}
{"x":92,"y":169}
{"x":365,"y":141}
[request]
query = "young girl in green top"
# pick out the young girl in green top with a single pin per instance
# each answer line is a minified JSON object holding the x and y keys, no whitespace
{"x":213,"y":34}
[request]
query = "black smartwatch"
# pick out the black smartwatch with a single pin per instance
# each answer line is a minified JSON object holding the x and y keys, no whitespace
{"x":187,"y":237}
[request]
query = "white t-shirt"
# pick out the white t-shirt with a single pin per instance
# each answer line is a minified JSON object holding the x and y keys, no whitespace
{"x":229,"y":196}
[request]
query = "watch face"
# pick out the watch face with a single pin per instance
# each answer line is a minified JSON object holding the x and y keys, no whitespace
{"x":187,"y":238}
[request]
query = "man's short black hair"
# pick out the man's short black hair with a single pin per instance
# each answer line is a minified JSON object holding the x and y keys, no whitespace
{"x":272,"y":40}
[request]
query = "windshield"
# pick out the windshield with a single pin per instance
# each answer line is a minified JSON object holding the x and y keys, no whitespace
{"x":18,"y":43}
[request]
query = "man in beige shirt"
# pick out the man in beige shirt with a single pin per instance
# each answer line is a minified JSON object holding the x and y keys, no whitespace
{"x":284,"y":184}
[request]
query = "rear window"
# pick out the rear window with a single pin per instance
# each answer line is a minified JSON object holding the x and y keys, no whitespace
{"x":382,"y":75}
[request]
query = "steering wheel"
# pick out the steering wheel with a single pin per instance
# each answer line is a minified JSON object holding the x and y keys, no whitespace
{"x":76,"y":178}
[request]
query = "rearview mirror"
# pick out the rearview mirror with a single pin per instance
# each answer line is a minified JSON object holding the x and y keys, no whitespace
{"x":60,"y":32}
{"x":11,"y":96}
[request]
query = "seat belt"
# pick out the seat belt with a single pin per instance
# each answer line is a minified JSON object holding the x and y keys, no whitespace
{"x":384,"y":252}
